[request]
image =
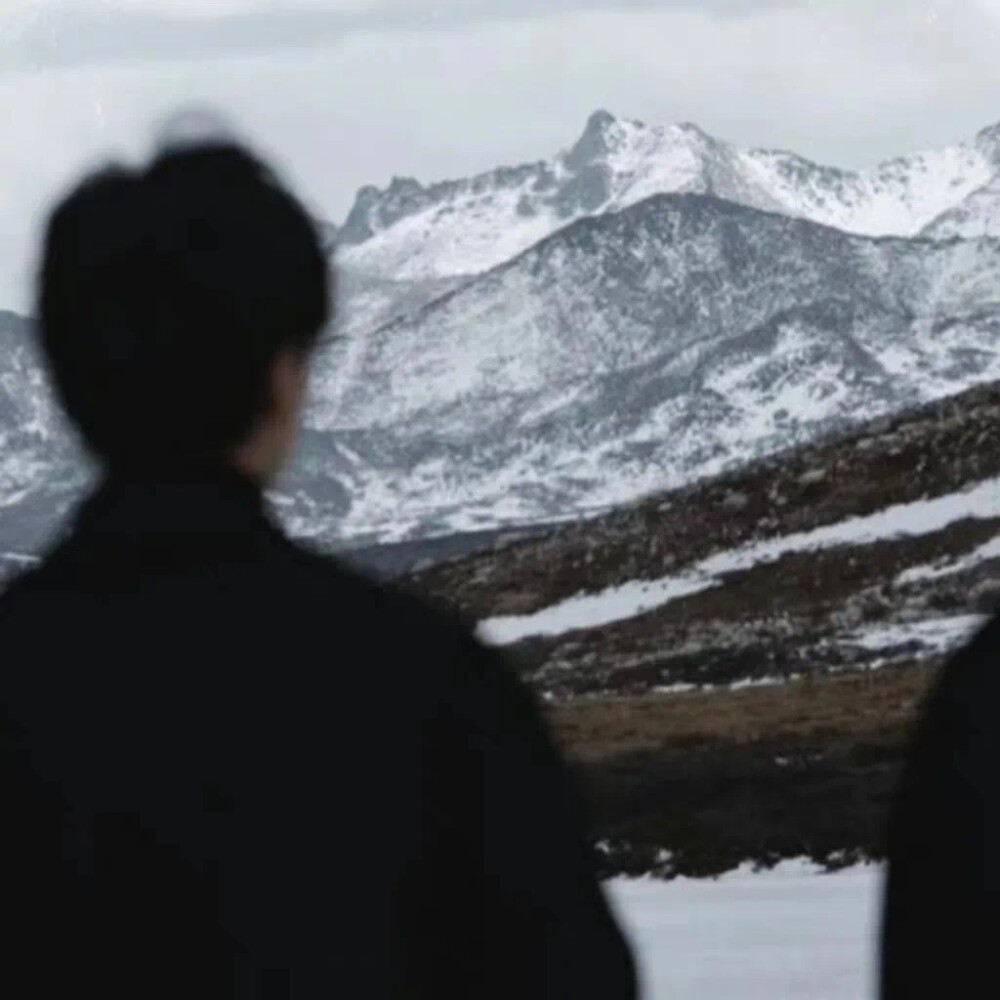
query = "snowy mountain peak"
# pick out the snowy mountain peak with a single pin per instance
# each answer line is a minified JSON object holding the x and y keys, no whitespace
{"x":601,"y":119}
{"x":375,"y":210}
{"x":413,"y":233}
{"x":596,"y":137}
{"x":597,"y":141}
{"x":603,"y":136}
{"x":988,"y":143}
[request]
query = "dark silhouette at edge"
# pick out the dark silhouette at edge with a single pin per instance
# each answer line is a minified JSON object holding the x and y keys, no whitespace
{"x":941,"y":904}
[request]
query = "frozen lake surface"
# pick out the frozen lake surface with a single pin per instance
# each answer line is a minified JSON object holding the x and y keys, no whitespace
{"x":788,"y":934}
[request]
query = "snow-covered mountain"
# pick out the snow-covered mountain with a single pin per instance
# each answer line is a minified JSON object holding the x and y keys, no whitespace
{"x":546,"y":341}
{"x":40,"y":465}
{"x":412,"y":232}
{"x":639,"y":349}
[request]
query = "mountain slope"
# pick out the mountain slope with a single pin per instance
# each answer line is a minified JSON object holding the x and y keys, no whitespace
{"x":765,"y":712}
{"x":40,"y":467}
{"x":877,"y":544}
{"x":637,"y":350}
{"x":735,"y":667}
{"x":976,"y":216}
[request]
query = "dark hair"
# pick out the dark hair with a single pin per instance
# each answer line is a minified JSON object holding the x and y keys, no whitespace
{"x":165,"y":293}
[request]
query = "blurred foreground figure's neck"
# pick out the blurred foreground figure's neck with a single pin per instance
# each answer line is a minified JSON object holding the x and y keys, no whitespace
{"x":264,"y":453}
{"x":259,"y":459}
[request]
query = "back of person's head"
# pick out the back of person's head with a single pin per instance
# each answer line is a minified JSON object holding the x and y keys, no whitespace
{"x":164,"y":295}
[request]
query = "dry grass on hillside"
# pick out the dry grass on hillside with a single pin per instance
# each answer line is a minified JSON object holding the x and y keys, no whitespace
{"x":877,"y":704}
{"x":696,"y":783}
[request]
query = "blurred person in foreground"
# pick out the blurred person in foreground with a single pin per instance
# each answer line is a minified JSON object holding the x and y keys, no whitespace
{"x":229,"y":766}
{"x":941,"y":915}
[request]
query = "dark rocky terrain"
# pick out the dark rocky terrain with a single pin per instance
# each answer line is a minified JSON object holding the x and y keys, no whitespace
{"x":747,"y":721}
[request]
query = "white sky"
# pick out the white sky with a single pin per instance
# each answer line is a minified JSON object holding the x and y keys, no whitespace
{"x":348,"y":92}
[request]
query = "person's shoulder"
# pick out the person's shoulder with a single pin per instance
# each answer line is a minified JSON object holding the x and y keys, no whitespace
{"x":392,"y":614}
{"x":16,"y":587}
{"x":24,"y":613}
{"x":965,"y":688}
{"x":988,"y":634}
{"x":395,"y":605}
{"x":982,"y":646}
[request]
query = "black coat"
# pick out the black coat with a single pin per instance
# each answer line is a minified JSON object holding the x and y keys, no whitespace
{"x":941,"y":921}
{"x":228,"y":760}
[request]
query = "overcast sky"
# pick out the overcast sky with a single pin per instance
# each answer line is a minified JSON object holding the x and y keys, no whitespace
{"x":347,"y":92}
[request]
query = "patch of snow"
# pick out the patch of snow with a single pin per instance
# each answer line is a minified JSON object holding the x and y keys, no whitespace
{"x":976,"y":217}
{"x":757,"y":682}
{"x":17,"y":557}
{"x":680,"y":688}
{"x":786,"y":934}
{"x":749,"y":682}
{"x":937,"y":635}
{"x":593,"y":610}
{"x":480,"y":232}
{"x":949,"y":567}
{"x":638,"y":597}
{"x":919,"y":518}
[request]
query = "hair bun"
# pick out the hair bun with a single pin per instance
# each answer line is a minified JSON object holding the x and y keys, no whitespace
{"x":194,"y":126}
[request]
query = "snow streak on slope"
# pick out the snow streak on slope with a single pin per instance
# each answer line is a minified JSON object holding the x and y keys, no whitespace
{"x":939,"y":635}
{"x":620,"y":603}
{"x":951,"y":567}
